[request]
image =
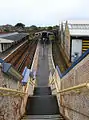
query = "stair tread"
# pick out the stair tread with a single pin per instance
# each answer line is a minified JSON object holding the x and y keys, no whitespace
{"x":43,"y":117}
{"x":42,"y":105}
{"x":42,"y":91}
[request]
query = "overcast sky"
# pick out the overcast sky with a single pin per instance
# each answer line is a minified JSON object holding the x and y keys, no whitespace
{"x":42,"y":12}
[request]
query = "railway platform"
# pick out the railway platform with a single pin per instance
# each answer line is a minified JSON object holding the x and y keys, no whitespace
{"x":43,"y":68}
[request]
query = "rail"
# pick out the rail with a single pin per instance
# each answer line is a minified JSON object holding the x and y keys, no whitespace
{"x":26,"y":57}
{"x":75,"y":87}
{"x":13,"y":92}
{"x":15,"y":50}
{"x":76,"y":62}
{"x":54,"y":80}
{"x":32,"y":83}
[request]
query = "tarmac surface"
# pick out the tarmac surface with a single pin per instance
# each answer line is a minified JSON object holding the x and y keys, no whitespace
{"x":43,"y":67}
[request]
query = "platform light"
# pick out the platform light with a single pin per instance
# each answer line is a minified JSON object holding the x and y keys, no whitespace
{"x":10,"y":70}
{"x":26,"y":75}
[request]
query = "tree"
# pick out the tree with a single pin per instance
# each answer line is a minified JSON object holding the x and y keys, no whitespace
{"x":20,"y":25}
{"x":33,"y":27}
{"x":56,"y":27}
{"x":6,"y":30}
{"x":49,"y":28}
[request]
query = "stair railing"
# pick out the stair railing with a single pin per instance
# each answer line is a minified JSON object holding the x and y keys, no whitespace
{"x":11,"y":92}
{"x":55,"y":84}
{"x":56,"y":80}
{"x":32,"y":83}
{"x":77,"y":87}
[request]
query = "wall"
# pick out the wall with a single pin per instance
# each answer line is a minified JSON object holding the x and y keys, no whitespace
{"x":10,"y":106}
{"x":62,"y":36}
{"x":75,"y":104}
{"x":67,"y":42}
{"x":6,"y":46}
{"x":0,"y":48}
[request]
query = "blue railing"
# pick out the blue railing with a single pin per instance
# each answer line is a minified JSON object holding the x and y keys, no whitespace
{"x":73,"y":65}
{"x":1,"y":60}
{"x":59,"y":72}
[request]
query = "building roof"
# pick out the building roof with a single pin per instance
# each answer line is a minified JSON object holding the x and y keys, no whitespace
{"x":78,"y":27}
{"x":78,"y":21}
{"x":5,"y":41}
{"x":7,"y":34}
{"x":79,"y":32}
{"x":15,"y":37}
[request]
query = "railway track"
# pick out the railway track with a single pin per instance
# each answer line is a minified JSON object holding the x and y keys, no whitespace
{"x":27,"y":58}
{"x":14,"y":54}
{"x":23,"y":56}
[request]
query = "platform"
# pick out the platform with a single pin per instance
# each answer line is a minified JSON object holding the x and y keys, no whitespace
{"x":43,"y":67}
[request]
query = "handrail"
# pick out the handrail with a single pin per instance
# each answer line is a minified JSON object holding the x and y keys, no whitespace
{"x":74,"y":87}
{"x":16,"y":92}
{"x":59,"y":71}
{"x":52,"y":81}
{"x":76,"y":62}
{"x":73,"y":65}
{"x":32,"y":83}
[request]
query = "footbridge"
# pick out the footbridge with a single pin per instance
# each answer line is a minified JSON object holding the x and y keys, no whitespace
{"x":41,"y":91}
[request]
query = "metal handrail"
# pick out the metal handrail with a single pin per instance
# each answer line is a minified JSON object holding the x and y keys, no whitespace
{"x":14,"y":91}
{"x":70,"y":88}
{"x":52,"y":81}
{"x":32,"y":83}
{"x":74,"y":87}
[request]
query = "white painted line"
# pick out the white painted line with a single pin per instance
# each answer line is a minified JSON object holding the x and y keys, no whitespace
{"x":15,"y":50}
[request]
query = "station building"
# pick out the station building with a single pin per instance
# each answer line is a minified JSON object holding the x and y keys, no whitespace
{"x":10,"y":39}
{"x":74,"y":38}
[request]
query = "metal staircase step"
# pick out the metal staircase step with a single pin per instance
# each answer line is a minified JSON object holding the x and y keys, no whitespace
{"x":42,"y":91}
{"x":42,"y":105}
{"x":43,"y":117}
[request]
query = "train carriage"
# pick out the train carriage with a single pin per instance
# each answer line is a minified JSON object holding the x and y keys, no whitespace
{"x":46,"y":37}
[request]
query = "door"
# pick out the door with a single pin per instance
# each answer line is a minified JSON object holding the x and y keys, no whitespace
{"x":76,"y":49}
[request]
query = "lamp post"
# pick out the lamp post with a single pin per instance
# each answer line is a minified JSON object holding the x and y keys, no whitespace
{"x":10,"y":70}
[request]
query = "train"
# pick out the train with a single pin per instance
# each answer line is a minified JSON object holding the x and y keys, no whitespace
{"x":46,"y":37}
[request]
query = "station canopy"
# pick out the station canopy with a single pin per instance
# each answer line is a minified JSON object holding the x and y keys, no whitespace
{"x":15,"y":37}
{"x":12,"y":37}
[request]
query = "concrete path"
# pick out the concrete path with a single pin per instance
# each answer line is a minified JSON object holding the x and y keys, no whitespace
{"x":43,"y":67}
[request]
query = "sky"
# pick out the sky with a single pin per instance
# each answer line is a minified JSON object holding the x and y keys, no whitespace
{"x":42,"y":12}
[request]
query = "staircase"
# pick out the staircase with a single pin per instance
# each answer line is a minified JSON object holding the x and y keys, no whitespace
{"x":42,"y":105}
